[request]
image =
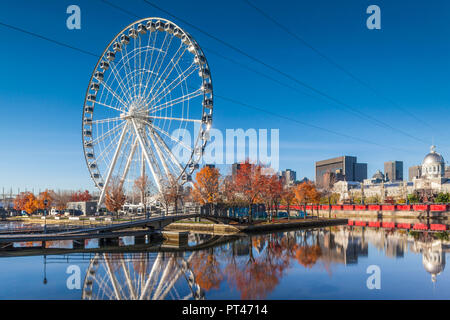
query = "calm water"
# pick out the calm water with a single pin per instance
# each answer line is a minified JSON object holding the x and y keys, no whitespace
{"x":329,"y":263}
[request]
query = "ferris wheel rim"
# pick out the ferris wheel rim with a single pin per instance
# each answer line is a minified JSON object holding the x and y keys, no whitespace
{"x":194,"y":158}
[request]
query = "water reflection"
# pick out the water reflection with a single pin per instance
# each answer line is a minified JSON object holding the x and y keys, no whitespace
{"x":141,"y":276}
{"x":252,"y":266}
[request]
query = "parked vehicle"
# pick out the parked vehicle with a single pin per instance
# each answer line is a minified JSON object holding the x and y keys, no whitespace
{"x":73,"y":213}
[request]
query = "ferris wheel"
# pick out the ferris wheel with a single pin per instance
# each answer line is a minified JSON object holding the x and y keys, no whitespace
{"x":148,"y":107}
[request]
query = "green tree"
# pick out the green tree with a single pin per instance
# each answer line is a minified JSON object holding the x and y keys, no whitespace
{"x":442,"y":198}
{"x":413,"y":198}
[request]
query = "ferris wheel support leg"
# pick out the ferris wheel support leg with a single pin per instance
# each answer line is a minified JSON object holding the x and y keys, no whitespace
{"x":158,"y":151}
{"x":144,"y":150}
{"x":111,"y":168}
{"x":127,"y":165}
{"x":167,"y":149}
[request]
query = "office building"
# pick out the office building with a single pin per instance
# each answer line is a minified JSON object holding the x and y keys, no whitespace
{"x":393,"y":171}
{"x":345,"y":167}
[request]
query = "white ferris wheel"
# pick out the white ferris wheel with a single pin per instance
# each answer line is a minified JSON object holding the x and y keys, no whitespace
{"x":151,"y":80}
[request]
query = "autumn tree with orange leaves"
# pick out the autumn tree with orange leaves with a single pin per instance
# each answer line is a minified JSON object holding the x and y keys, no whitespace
{"x":271,"y":192}
{"x":287,"y":198}
{"x":20,"y":201}
{"x":80,"y":196}
{"x":207,"y":186}
{"x":44,"y":200}
{"x":248,"y":184}
{"x":31,"y":203}
{"x":306,"y":193}
{"x":114,"y":196}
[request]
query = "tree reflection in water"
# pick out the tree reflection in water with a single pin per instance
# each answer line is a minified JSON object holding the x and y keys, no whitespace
{"x":255,"y":265}
{"x":252,"y":266}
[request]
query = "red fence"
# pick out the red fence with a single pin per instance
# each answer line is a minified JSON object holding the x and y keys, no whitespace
{"x":373,"y":207}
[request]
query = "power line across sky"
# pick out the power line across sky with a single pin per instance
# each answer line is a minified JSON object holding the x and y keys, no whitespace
{"x":223,"y":97}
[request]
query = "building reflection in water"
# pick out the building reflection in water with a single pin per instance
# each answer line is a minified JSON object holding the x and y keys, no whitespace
{"x":253,"y":266}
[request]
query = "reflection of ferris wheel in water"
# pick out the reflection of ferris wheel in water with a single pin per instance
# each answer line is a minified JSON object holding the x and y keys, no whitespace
{"x":152,"y":79}
{"x":141,"y":276}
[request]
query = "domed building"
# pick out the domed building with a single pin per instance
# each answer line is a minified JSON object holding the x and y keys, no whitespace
{"x":433,"y":166}
{"x":432,"y":173}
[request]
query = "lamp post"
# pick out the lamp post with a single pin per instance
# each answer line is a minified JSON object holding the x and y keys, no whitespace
{"x":45,"y":215}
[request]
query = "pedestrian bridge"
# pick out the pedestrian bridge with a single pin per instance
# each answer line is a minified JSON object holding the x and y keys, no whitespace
{"x":153,"y":223}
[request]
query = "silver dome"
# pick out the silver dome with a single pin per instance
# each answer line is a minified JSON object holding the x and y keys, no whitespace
{"x":433,"y":158}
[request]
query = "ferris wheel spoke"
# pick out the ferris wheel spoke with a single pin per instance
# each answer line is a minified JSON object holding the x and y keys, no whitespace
{"x":106,"y":150}
{"x":154,"y":66}
{"x":107,"y":134}
{"x":176,"y":119}
{"x":106,"y":120}
{"x":178,"y":100}
{"x":169,"y":136}
{"x":171,"y":70}
{"x":150,"y":73}
{"x":120,"y":83}
{"x":162,"y":60}
{"x":145,"y":61}
{"x":128,"y":75}
{"x":175,"y":83}
{"x":113,"y":93}
{"x":113,"y":163}
{"x":108,"y":106}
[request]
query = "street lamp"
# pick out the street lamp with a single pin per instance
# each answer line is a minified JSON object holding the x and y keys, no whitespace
{"x":45,"y":215}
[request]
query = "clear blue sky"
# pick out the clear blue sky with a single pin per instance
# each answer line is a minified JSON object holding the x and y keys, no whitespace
{"x":42,"y":85}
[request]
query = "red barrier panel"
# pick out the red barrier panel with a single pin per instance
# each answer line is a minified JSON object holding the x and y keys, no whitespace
{"x":404,"y":207}
{"x":438,"y":207}
{"x":438,"y":227}
{"x":374,"y":207}
{"x":375,"y":224}
{"x":315,"y":207}
{"x":326,"y":207}
{"x":420,"y":226}
{"x":336,"y":207}
{"x":348,"y":207}
{"x":404,"y":225}
{"x":360,"y":223}
{"x":420,"y":207}
{"x":388,"y":224}
{"x":308,"y":207}
{"x":360,"y":207}
{"x":388,"y":208}
{"x":350,"y":222}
